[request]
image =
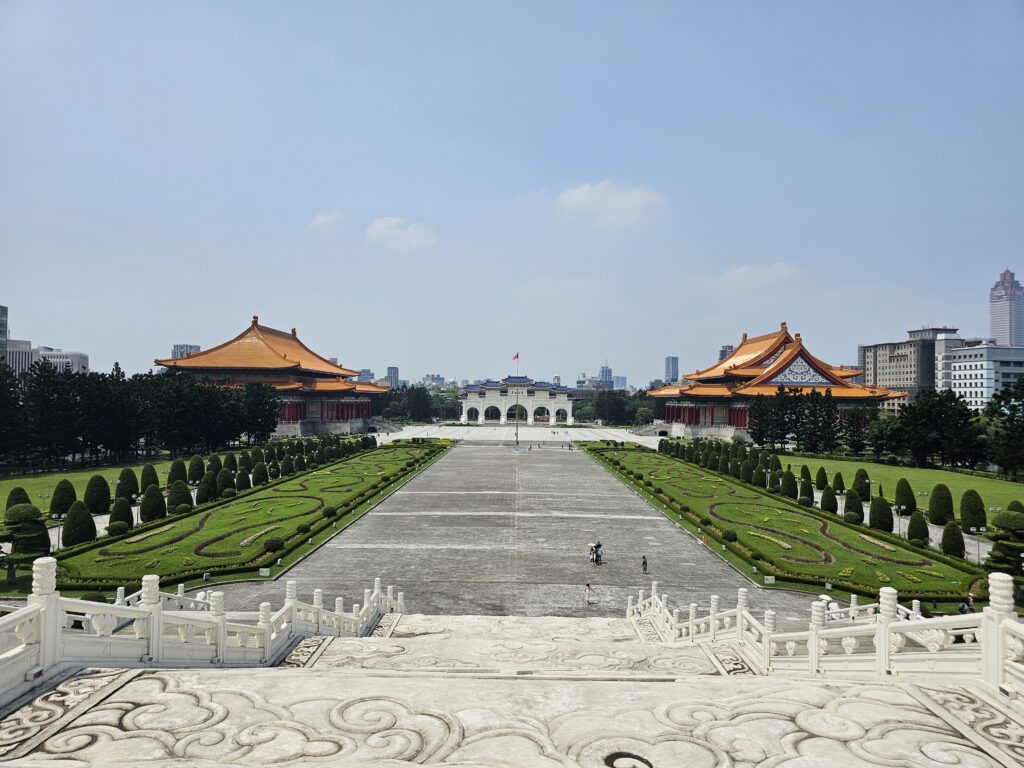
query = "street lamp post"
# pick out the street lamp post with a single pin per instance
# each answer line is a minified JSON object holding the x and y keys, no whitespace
{"x":977,"y":531}
{"x":899,"y":509}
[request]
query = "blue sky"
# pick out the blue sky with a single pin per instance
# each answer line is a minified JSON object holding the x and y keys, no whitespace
{"x":440,"y":185}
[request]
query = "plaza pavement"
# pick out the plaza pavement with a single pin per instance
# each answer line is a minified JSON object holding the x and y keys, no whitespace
{"x":492,"y":529}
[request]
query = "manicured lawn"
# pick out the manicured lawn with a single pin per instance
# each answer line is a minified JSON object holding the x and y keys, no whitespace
{"x":45,"y":483}
{"x":793,"y":540}
{"x":233,"y":534}
{"x":995,"y":493}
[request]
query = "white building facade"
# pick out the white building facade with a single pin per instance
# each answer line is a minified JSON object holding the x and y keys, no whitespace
{"x":516,"y":398}
{"x":979,"y":372}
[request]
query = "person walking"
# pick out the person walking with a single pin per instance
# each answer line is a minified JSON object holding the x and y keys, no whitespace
{"x":587,"y":592}
{"x":643,"y":564}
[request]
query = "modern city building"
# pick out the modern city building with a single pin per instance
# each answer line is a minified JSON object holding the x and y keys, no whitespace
{"x":392,"y":376}
{"x":619,"y":382}
{"x":21,"y":355}
{"x":183,"y":350}
{"x":725,"y":351}
{"x":1006,"y":311}
{"x":365,"y":374}
{"x":907,"y":366}
{"x":977,"y":371}
{"x":715,"y":401}
{"x":314,"y":395}
{"x":556,"y":380}
{"x":605,"y":377}
{"x":671,"y":368}
{"x":3,"y":333}
{"x":516,"y":398}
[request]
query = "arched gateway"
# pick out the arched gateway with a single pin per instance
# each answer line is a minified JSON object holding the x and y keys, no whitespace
{"x":536,"y":402}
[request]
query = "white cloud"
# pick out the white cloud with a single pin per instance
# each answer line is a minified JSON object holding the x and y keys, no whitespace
{"x":400,"y":235}
{"x":609,"y":203}
{"x":326,"y":220}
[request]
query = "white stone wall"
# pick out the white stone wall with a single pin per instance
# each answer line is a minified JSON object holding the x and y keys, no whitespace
{"x":505,"y":401}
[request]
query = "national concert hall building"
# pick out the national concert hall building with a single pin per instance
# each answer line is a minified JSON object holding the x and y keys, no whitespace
{"x":315,"y":396}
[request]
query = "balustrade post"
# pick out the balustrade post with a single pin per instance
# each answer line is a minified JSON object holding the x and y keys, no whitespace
{"x":675,"y":624}
{"x":741,"y":607}
{"x":291,"y":597}
{"x":318,"y":605}
{"x":181,"y":596}
{"x":654,"y":594}
{"x":217,"y":613}
{"x":268,"y":631}
{"x":629,"y":606}
{"x":999,"y":609}
{"x":915,"y":608}
{"x":853,"y":607}
{"x":367,"y":600}
{"x":712,"y":621}
{"x":818,"y":608}
{"x":769,"y":630}
{"x":119,"y":599}
{"x":376,"y":590}
{"x":887,"y":614}
{"x":155,"y":629}
{"x":401,"y":602}
{"x":640,"y":602}
{"x":692,"y":620}
{"x":45,"y":595}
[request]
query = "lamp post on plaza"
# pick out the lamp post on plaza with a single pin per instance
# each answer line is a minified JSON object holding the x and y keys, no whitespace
{"x":899,"y":509}
{"x":977,"y":531}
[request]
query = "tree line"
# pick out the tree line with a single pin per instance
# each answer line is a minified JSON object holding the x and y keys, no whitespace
{"x":49,"y":416}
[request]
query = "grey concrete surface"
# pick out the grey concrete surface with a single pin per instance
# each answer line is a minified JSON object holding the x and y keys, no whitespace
{"x":491,"y":529}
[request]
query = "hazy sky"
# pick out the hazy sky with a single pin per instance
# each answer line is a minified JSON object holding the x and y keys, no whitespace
{"x":439,"y":185}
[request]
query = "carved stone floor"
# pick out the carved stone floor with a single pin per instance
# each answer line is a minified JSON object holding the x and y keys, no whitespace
{"x":498,"y":692}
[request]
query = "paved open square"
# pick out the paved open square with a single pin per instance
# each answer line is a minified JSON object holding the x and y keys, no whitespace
{"x":491,"y":529}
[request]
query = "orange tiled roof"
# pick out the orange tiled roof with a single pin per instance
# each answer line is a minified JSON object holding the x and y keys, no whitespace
{"x":749,"y":352}
{"x":263,"y":348}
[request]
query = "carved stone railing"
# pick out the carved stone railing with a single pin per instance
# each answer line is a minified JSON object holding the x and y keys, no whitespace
{"x":154,"y":628}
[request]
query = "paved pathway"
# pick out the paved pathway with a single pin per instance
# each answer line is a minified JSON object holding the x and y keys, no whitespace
{"x":490,"y":529}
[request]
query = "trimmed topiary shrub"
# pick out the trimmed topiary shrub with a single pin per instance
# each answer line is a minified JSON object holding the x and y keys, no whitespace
{"x":705,"y":521}
{"x":729,"y":535}
{"x":148,"y":477}
{"x":747,"y":471}
{"x":805,"y":501}
{"x":828,"y":500}
{"x":153,"y":506}
{"x":242,"y":482}
{"x":302,"y":528}
{"x":329,"y":512}
{"x":127,"y":485}
{"x":972,"y":511}
{"x":788,"y":485}
{"x":196,"y":470}
{"x":905,"y":497}
{"x":245,"y":462}
{"x":121,"y":512}
{"x":853,"y":508}
{"x":79,"y":527}
{"x":838,"y":484}
{"x":1015,"y":506}
{"x":225,"y":480}
{"x":273,"y":544}
{"x":214,"y":464}
{"x":17,"y":495}
{"x":821,"y":479}
{"x":97,"y":495}
{"x":940,"y":505}
{"x":805,"y":473}
{"x":179,"y":496}
{"x":231,"y":462}
{"x":862,"y":484}
{"x":880,"y":514}
{"x":228,"y":493}
{"x":259,"y":474}
{"x":300,"y":463}
{"x":952,"y":540}
{"x":274,"y":469}
{"x":63,"y":497}
{"x":182,"y":509}
{"x":117,"y":527}
{"x":177,"y":472}
{"x":287,"y":466}
{"x":917,"y":528}
{"x":806,"y":489}
{"x":258,"y":455}
{"x":758,"y":478}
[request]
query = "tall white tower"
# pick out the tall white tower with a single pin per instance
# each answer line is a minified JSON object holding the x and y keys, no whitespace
{"x":1006,"y":311}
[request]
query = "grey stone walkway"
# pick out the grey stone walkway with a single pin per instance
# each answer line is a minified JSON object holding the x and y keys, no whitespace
{"x":494,"y":530}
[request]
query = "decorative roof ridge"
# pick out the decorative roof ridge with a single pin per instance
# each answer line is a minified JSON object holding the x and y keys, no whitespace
{"x":781,"y":335}
{"x":343,"y":372}
{"x":794,"y":350}
{"x":254,"y":326}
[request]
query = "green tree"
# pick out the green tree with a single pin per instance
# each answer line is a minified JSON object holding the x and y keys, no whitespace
{"x":259,"y":455}
{"x":758,"y":478}
{"x":905,"y":498}
{"x":178,"y":495}
{"x":79,"y":526}
{"x":63,"y":497}
{"x":17,"y":495}
{"x":121,"y":512}
{"x":862,"y":484}
{"x":148,"y":477}
{"x":805,"y":473}
{"x":806,"y":489}
{"x":231,"y":462}
{"x":177,"y":472}
{"x":287,"y":466}
{"x":26,"y":532}
{"x":788,"y":485}
{"x":880,"y":514}
{"x":196,"y":469}
{"x":828,"y":500}
{"x":259,"y":474}
{"x":746,"y":471}
{"x":917,"y":528}
{"x":242,"y":482}
{"x":245,"y":462}
{"x":97,"y":495}
{"x":940,"y":505}
{"x":225,"y":479}
{"x":953,"y":540}
{"x":820,"y":479}
{"x":838,"y":483}
{"x":274,"y":469}
{"x":853,"y":507}
{"x":153,"y":506}
{"x":214,"y":464}
{"x":972,"y":511}
{"x":1008,"y":542}
{"x":127,"y":485}
{"x":300,"y":463}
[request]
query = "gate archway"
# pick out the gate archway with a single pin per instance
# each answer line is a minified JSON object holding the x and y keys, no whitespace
{"x":493,"y":413}
{"x":561,"y":416}
{"x":472,"y":414}
{"x":516,"y":413}
{"x":541,"y":415}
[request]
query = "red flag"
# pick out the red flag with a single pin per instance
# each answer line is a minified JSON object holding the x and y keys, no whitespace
{"x":515,"y":356}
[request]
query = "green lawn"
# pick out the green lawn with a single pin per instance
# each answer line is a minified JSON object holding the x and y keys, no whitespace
{"x":232,"y":535}
{"x":39,"y":484}
{"x":995,"y":493}
{"x":794,"y":542}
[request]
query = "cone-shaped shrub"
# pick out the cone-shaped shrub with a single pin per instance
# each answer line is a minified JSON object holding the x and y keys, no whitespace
{"x":121,"y":512}
{"x":127,"y":485}
{"x":821,"y":479}
{"x":274,"y":469}
{"x":862,"y":484}
{"x":18,"y":495}
{"x":300,"y":463}
{"x":917,"y":528}
{"x":972,"y":511}
{"x":1015,"y":506}
{"x":63,"y":497}
{"x":288,"y":466}
{"x":258,"y":455}
{"x":214,"y":464}
{"x":953,"y":540}
{"x":179,"y":495}
{"x":245,"y":462}
{"x":177,"y":472}
{"x":97,"y":495}
{"x":805,"y":473}
{"x":242,"y":482}
{"x":853,"y":507}
{"x":321,"y":456}
{"x":148,"y":477}
{"x":723,"y":464}
{"x":225,"y":479}
{"x":231,"y":462}
{"x":828,"y":500}
{"x":746,"y":471}
{"x":758,"y":478}
{"x":79,"y":526}
{"x":788,"y":485}
{"x":259,"y":474}
{"x":153,"y":506}
{"x":905,"y":497}
{"x":776,"y":464}
{"x":838,"y":484}
{"x":940,"y":505}
{"x":880,"y":514}
{"x":196,"y":470}
{"x":806,"y":489}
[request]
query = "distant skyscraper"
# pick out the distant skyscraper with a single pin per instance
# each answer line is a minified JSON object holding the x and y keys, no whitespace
{"x":183,"y":350}
{"x":605,"y":376}
{"x":556,"y":380}
{"x":619,"y":382}
{"x":1006,"y":311}
{"x":725,"y":351}
{"x":332,"y":360}
{"x":365,"y":375}
{"x":3,"y":333}
{"x":671,"y":368}
{"x":392,"y":376}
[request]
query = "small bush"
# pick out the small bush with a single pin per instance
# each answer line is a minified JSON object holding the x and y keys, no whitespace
{"x":117,"y":527}
{"x":79,"y":526}
{"x":274,"y":544}
{"x":705,"y":521}
{"x":803,"y":501}
{"x":329,"y":512}
{"x":729,"y":535}
{"x":302,"y":528}
{"x":228,"y":493}
{"x":182,"y":509}
{"x":853,"y":517}
{"x":121,"y":512}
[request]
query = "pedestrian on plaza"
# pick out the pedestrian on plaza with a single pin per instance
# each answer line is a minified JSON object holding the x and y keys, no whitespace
{"x":643,"y":564}
{"x":600,"y":553}
{"x":593,"y":553}
{"x":587,"y":592}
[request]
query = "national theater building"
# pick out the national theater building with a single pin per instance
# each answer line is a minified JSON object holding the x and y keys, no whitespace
{"x":715,"y":402}
{"x":315,"y":396}
{"x":499,"y":402}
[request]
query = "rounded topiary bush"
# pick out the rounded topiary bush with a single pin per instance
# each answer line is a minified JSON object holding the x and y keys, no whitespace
{"x":148,"y":477}
{"x":79,"y":526}
{"x":853,"y":517}
{"x":225,"y":480}
{"x":228,"y":493}
{"x":705,"y":521}
{"x":274,"y":544}
{"x":231,"y":462}
{"x":805,"y":501}
{"x":121,"y":512}
{"x":880,"y":515}
{"x":828,"y":500}
{"x":906,"y":502}
{"x":63,"y":497}
{"x":127,"y":484}
{"x":729,"y":535}
{"x":821,"y":479}
{"x":97,"y":495}
{"x":242,"y":482}
{"x":918,"y":542}
{"x":329,"y":512}
{"x":917,"y":528}
{"x":838,"y":484}
{"x":940,"y":505}
{"x":177,"y":472}
{"x":288,"y":466}
{"x":196,"y":469}
{"x":302,"y":528}
{"x":853,"y":507}
{"x":17,"y":495}
{"x":117,"y":527}
{"x":179,"y":496}
{"x":153,"y":506}
{"x":33,"y":539}
{"x":93,"y":597}
{"x":214,"y":464}
{"x":245,"y":462}
{"x":953,"y":540}
{"x":274,"y":469}
{"x":260,"y":475}
{"x":972,"y":511}
{"x":1015,"y":506}
{"x":300,"y":463}
{"x":182,"y":509}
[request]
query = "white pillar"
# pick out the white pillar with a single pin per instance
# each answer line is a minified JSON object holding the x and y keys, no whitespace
{"x":264,"y":625}
{"x":568,"y":411}
{"x":151,"y":602}
{"x":480,"y":414}
{"x":217,"y":613}
{"x":1000,"y":609}
{"x":45,"y":595}
{"x":465,"y":407}
{"x":529,"y":415}
{"x":741,"y":608}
